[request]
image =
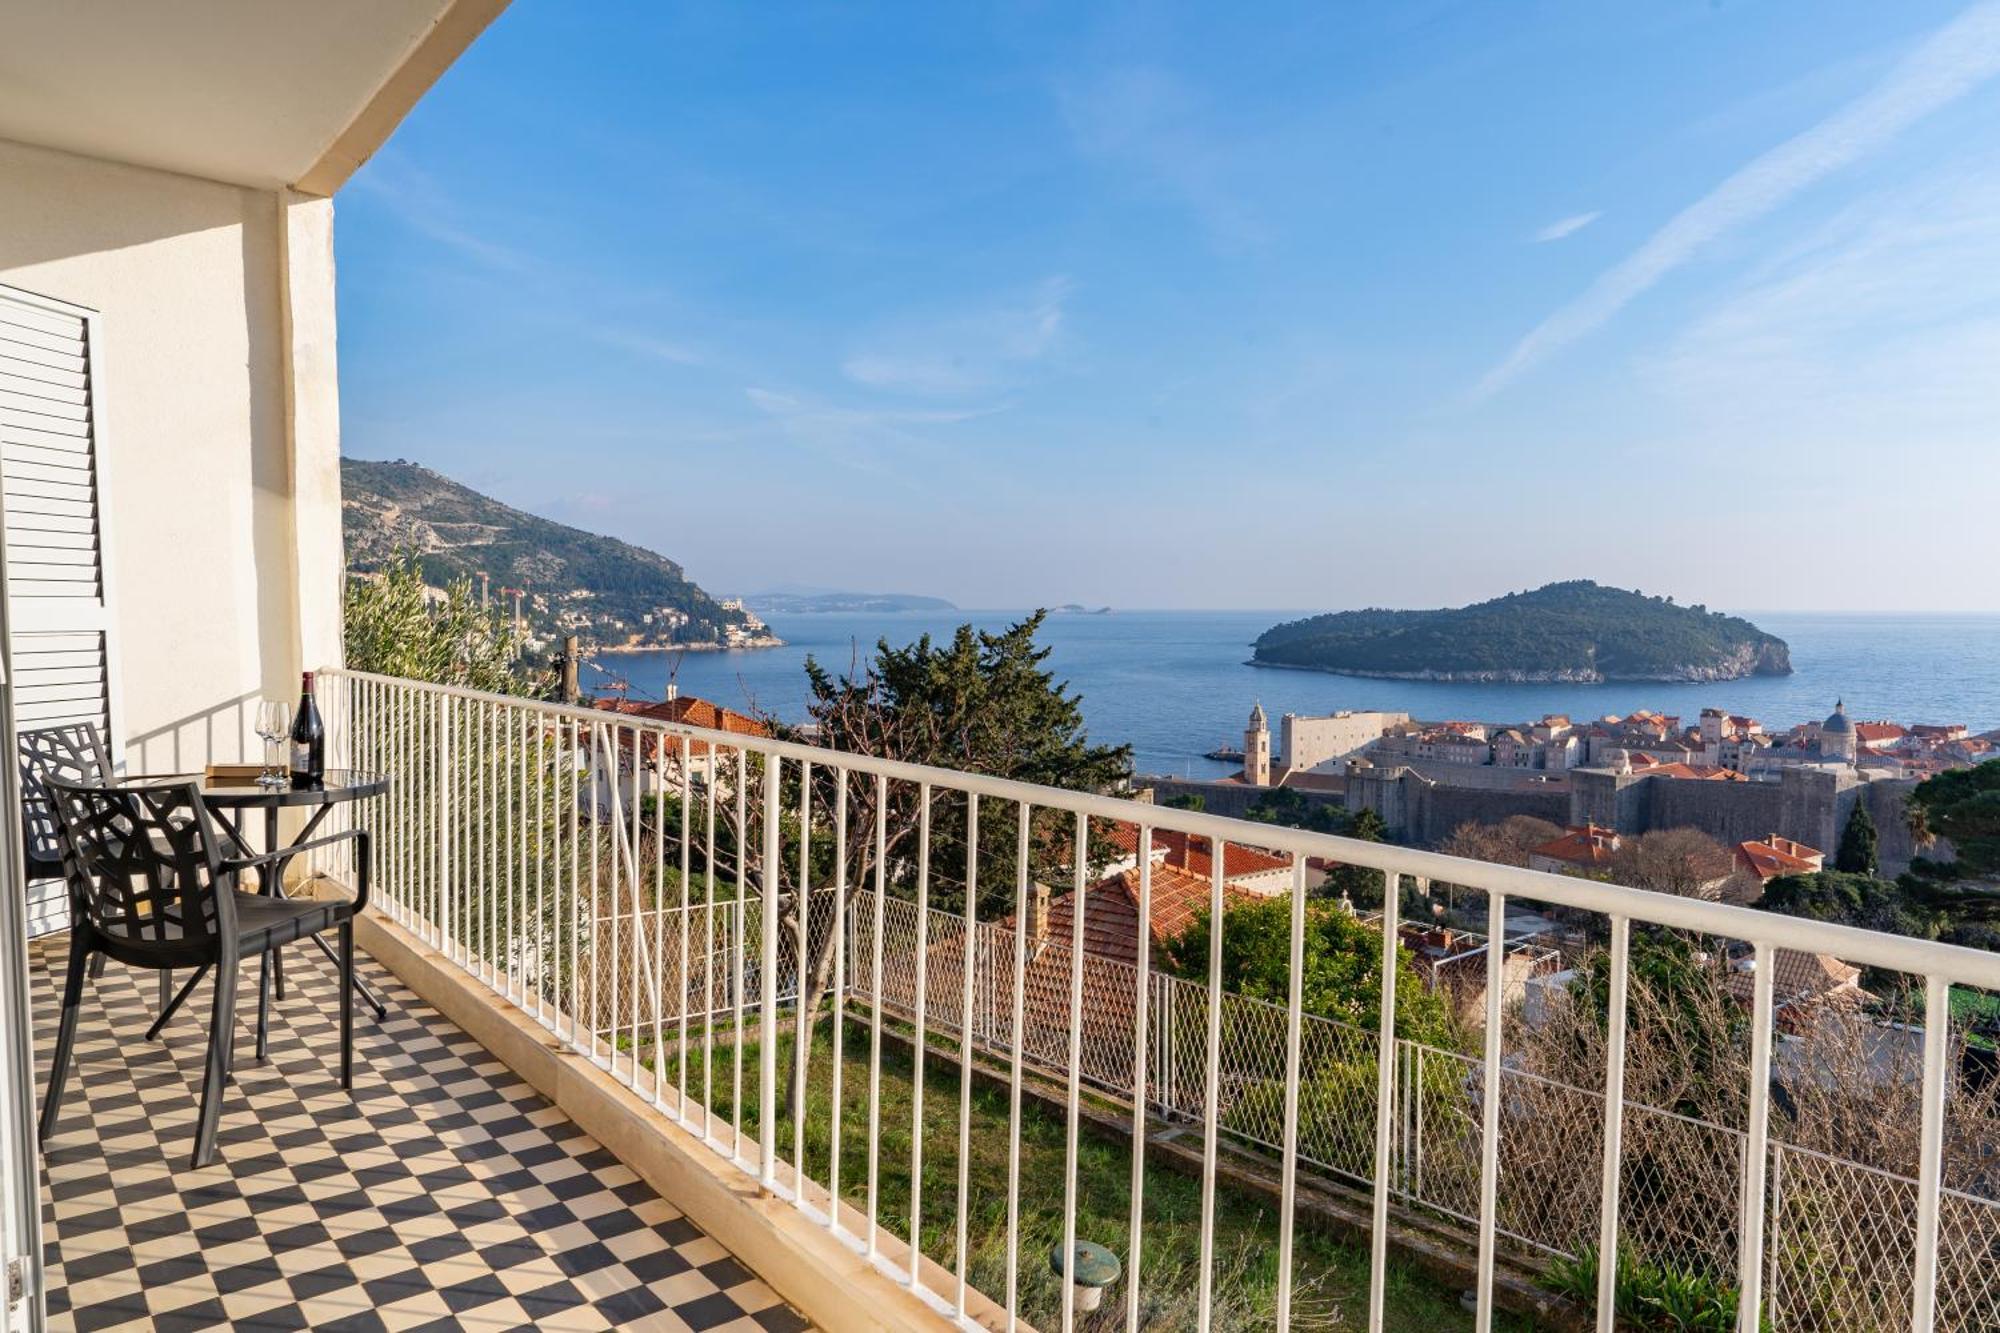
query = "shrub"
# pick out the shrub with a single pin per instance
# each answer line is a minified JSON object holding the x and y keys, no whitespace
{"x":1651,"y":1296}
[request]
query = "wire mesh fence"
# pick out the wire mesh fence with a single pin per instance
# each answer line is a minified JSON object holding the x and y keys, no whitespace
{"x":1840,"y":1249}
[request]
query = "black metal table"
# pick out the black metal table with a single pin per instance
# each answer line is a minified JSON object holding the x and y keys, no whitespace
{"x":231,"y":799}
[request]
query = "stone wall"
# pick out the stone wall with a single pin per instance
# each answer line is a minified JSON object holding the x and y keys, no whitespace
{"x":1609,"y":800}
{"x":1229,"y":799}
{"x":1811,"y":805}
{"x":1439,"y":809}
{"x":1729,"y":812}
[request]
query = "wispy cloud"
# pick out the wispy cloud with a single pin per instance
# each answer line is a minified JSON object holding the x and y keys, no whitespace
{"x":657,"y":349}
{"x":1568,"y":226}
{"x":1950,"y":63}
{"x":970,"y":351}
{"x":1150,"y":120}
{"x":424,"y":207}
{"x":1884,"y":324}
{"x":563,"y":290}
{"x":855,"y":437}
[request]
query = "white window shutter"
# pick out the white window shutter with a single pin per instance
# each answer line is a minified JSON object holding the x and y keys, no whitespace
{"x":51,"y":480}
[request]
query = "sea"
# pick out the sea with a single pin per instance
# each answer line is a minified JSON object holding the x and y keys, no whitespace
{"x":1176,"y":684}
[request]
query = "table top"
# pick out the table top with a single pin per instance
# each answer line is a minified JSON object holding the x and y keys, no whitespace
{"x":232,"y":793}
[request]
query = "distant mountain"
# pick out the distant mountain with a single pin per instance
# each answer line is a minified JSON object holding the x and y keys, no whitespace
{"x":610,"y":592}
{"x":1575,"y":631}
{"x":852,"y":603}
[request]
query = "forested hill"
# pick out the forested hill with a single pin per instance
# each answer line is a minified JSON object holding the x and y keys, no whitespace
{"x":574,"y":580}
{"x":1575,"y":631}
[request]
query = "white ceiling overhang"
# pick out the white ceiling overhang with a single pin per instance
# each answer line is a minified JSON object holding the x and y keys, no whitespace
{"x":264,"y":93}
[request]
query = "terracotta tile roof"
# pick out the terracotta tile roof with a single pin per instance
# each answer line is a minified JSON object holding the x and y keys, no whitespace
{"x":1776,"y":856}
{"x":688,"y":711}
{"x":1191,"y":853}
{"x":1801,"y":977}
{"x":1111,"y":911}
{"x":1195,"y":855}
{"x":1587,"y":845}
{"x":1875,"y":733}
{"x":1693,"y":772}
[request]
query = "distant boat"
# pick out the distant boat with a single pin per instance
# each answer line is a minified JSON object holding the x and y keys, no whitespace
{"x":1227,"y":754}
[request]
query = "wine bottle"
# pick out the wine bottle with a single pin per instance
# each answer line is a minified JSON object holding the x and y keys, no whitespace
{"x":308,"y":740}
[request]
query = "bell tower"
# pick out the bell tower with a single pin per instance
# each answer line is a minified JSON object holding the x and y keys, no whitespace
{"x":1257,"y":749}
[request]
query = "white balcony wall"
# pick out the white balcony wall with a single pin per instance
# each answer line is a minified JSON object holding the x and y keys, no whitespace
{"x":218,"y":431}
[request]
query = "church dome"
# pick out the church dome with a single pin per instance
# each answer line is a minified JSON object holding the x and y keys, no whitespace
{"x":1838,"y":722}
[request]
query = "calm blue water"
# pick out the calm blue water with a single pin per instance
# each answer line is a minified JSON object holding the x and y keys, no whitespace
{"x":1173,"y":683}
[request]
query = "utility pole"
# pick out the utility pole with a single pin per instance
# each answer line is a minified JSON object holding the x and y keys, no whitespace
{"x":485,"y":589}
{"x":568,"y":662}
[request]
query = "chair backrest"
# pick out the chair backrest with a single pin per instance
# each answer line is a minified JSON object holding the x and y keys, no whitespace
{"x":74,"y":752}
{"x":144,"y":864}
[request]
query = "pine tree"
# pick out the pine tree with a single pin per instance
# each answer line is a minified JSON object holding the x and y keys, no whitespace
{"x":1857,"y":844}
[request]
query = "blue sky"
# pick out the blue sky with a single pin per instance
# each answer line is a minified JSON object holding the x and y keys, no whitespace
{"x":1211,"y":306}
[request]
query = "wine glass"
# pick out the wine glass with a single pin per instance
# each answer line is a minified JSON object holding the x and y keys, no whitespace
{"x":274,"y":723}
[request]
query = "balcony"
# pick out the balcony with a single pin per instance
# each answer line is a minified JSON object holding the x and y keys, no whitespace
{"x":444,"y":1188}
{"x":618,"y":914}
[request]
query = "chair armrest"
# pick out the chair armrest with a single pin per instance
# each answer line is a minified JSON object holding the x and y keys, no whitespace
{"x":358,"y":836}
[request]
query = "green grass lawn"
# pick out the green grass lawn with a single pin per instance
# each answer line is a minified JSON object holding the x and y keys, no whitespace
{"x":1330,"y":1276}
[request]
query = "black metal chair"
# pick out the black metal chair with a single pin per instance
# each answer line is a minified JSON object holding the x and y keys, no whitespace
{"x":72,"y":752}
{"x":150,"y":887}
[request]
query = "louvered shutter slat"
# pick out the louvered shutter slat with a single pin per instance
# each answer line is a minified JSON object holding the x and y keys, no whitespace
{"x":50,"y":493}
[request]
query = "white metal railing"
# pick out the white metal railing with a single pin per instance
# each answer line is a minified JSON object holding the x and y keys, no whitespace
{"x":525,"y":841}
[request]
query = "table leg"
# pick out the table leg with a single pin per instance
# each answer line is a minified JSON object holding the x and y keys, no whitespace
{"x":272,"y":876}
{"x":270,"y":880}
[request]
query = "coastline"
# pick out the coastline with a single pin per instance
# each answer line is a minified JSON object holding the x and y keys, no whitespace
{"x":1694,"y":676}
{"x":772,"y":642}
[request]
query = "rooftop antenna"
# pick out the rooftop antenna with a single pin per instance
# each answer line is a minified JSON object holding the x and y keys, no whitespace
{"x":674,"y":661}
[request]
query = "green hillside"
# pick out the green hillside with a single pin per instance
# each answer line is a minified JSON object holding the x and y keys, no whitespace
{"x":604,"y":587}
{"x":1577,"y":630}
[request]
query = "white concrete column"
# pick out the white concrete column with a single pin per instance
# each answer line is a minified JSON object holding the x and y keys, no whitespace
{"x":312,"y":425}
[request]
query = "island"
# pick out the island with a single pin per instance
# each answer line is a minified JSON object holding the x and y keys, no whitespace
{"x":1577,"y":631}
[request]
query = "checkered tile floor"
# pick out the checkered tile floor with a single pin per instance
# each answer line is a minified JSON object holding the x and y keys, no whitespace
{"x":443,"y":1194}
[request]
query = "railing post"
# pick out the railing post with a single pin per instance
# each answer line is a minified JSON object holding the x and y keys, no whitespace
{"x":1023,"y":887}
{"x":917,"y":1061}
{"x":1080,"y":856}
{"x":1211,"y":1091}
{"x":968,"y":948}
{"x":1750,"y":1239}
{"x":839,"y":946}
{"x":1288,"y":1167}
{"x":447,"y":763}
{"x":1141,"y":993}
{"x":1614,"y":1127}
{"x":875,"y":1027}
{"x":1489,"y":1137}
{"x":801,"y":1028}
{"x":1385,"y":1097}
{"x":1930,"y":1164}
{"x":767,"y":1022}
